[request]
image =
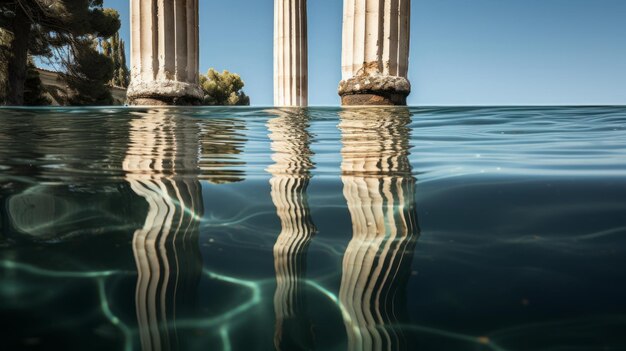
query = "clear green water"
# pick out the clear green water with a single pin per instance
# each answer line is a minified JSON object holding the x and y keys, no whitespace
{"x":328,"y":229}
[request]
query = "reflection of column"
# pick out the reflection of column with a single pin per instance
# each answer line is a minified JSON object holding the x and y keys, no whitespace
{"x":164,"y":52}
{"x":290,"y":53}
{"x":166,"y":248}
{"x":290,"y":179}
{"x":221,"y":143}
{"x":375,"y":56}
{"x":380,"y":191}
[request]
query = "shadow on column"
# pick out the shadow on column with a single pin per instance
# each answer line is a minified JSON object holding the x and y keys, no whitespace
{"x":380,"y":191}
{"x":290,"y":179}
{"x":161,"y":160}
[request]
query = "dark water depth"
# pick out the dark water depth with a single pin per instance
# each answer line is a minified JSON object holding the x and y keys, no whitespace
{"x":319,"y":229}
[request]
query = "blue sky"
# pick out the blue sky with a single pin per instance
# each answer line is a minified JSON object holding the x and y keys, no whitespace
{"x":463,"y":52}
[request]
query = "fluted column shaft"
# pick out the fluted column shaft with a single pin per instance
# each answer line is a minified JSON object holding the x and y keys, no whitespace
{"x":290,"y":53}
{"x":375,"y":55}
{"x":164,"y":52}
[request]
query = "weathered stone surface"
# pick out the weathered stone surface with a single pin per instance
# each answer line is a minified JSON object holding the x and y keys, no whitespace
{"x":164,"y":52}
{"x":381,"y":99}
{"x":374,"y":90}
{"x":168,"y":92}
{"x":376,"y":84}
{"x":290,"y":53}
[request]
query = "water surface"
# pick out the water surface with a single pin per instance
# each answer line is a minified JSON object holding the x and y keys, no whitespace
{"x":331,"y":229}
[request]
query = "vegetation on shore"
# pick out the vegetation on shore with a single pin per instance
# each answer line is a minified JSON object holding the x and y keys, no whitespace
{"x":87,"y":77}
{"x":114,"y":48}
{"x":63,"y":32}
{"x":80,"y":39}
{"x":34,"y":92}
{"x":5,"y":39}
{"x":223,"y":89}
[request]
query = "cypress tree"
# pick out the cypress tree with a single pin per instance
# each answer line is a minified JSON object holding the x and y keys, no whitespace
{"x":114,"y":49}
{"x":124,"y":73}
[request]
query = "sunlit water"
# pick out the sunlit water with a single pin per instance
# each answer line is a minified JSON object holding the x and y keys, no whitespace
{"x":356,"y":229}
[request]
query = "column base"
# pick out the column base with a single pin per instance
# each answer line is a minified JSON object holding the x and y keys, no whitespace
{"x":374,"y":91}
{"x":373,"y":100}
{"x":164,"y":93}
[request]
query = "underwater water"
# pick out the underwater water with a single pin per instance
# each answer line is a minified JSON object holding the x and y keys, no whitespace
{"x":298,"y":229}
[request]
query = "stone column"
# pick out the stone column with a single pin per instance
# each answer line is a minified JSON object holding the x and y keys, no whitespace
{"x":164,"y":52}
{"x":290,"y":53}
{"x":375,"y":56}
